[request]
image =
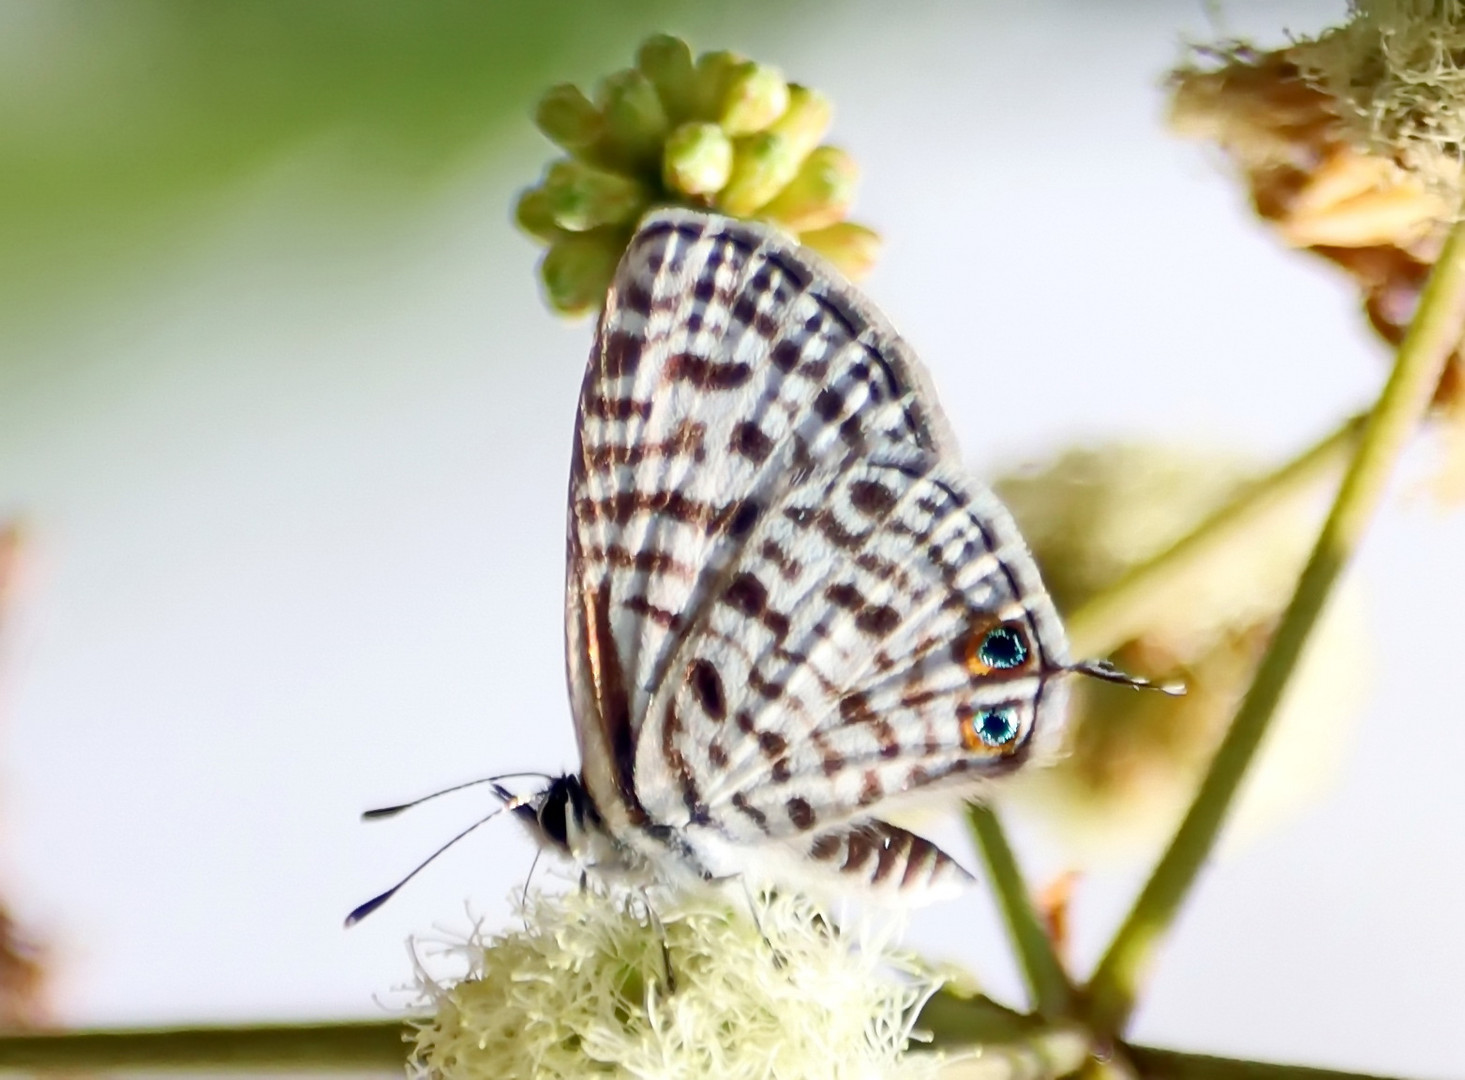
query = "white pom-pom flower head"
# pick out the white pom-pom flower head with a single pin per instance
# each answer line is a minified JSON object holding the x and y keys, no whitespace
{"x":582,"y":989}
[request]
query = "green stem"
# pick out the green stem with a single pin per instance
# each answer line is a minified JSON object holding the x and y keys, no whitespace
{"x":352,"y":1047}
{"x":1007,"y":1045}
{"x":1117,"y":614}
{"x":1049,"y":987}
{"x":1046,"y":1053}
{"x":1432,"y":337}
{"x":1155,"y":1064}
{"x":953,"y":1019}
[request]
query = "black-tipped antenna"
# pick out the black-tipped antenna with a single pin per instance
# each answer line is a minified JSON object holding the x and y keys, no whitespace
{"x":1102,"y":669}
{"x":377,"y":901}
{"x":389,"y":811}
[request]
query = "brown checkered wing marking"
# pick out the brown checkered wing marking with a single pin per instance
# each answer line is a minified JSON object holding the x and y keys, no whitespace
{"x":726,"y":362}
{"x":832,"y":672}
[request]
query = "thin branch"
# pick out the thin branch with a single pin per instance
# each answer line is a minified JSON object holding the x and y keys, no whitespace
{"x":345,"y":1047}
{"x":1156,"y":1064}
{"x":1433,"y":336}
{"x":1049,"y":987}
{"x":1110,"y":618}
{"x":952,"y":1019}
{"x":1046,"y":1053}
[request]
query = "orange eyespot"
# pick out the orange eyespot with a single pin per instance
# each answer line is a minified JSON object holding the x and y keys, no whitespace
{"x":1003,"y":647}
{"x":989,"y":729}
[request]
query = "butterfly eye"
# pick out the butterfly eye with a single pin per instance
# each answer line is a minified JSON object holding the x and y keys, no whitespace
{"x":989,"y":728}
{"x":1001,"y":648}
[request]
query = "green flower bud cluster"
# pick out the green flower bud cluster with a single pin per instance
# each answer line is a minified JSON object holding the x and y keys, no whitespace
{"x":717,"y":132}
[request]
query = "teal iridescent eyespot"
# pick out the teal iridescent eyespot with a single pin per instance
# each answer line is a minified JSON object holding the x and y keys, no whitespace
{"x":996,"y":727}
{"x":1003,"y":647}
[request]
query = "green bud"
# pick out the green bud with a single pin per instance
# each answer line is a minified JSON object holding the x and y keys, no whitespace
{"x":762,"y":165}
{"x":566,"y":116}
{"x":534,"y":213}
{"x":754,"y":97}
{"x":667,"y":62}
{"x":714,"y":73}
{"x":635,"y":122}
{"x":582,"y":197}
{"x":577,"y":270}
{"x":805,"y":120}
{"x":852,"y":248}
{"x":819,"y":195}
{"x":698,"y":160}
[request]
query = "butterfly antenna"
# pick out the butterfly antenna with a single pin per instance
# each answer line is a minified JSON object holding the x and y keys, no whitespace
{"x":361,"y":912}
{"x":390,"y":811}
{"x":1104,"y":670}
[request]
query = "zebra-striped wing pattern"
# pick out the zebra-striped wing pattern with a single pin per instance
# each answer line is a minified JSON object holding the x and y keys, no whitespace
{"x":787,"y":606}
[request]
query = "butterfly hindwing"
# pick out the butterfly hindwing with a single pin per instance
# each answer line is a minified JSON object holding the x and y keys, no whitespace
{"x":835,"y":669}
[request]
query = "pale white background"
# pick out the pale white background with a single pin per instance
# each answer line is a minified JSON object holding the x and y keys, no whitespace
{"x":296,"y":520}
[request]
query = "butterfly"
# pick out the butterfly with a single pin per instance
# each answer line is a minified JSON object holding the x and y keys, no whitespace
{"x":788,"y":609}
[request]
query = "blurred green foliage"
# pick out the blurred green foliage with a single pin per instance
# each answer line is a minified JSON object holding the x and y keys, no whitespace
{"x":123,"y":123}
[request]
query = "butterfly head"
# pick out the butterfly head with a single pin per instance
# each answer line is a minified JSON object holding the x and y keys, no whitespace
{"x":547,"y":812}
{"x":558,"y":814}
{"x":564,"y":819}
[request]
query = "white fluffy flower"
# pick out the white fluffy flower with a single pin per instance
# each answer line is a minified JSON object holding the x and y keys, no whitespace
{"x":581,"y":990}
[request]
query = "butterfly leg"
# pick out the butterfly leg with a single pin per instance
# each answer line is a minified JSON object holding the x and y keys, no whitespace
{"x":778,"y":958}
{"x":653,"y":920}
{"x":524,"y":897}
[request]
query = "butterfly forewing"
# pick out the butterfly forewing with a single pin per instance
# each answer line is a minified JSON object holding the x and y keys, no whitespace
{"x":721,"y":365}
{"x":776,"y":566}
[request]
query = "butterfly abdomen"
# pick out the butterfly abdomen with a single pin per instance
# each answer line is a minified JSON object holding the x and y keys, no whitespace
{"x":888,"y":860}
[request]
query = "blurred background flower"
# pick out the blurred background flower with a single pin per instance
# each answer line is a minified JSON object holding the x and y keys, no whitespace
{"x":1349,"y":146}
{"x":1132,"y":761}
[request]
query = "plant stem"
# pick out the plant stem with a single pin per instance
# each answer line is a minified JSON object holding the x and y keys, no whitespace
{"x":953,"y":1019}
{"x":1155,"y":1064}
{"x":1432,"y":337}
{"x":1110,"y":618}
{"x":353,"y":1047}
{"x":1042,"y":1055}
{"x":1049,"y":987}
